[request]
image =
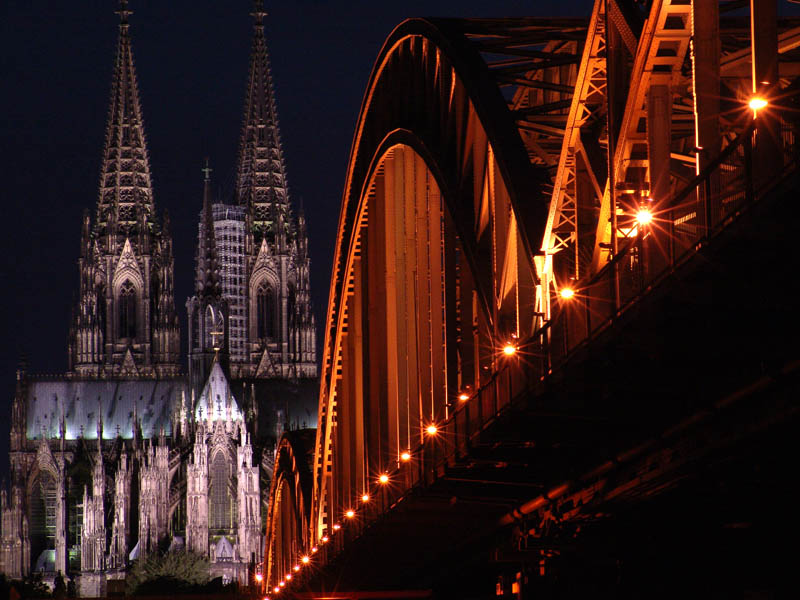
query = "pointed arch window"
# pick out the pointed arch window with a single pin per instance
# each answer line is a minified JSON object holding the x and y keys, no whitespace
{"x":43,"y":514}
{"x":127,"y":310}
{"x":220,"y":513}
{"x":291,"y":306}
{"x":100,"y":300}
{"x":265,"y":310}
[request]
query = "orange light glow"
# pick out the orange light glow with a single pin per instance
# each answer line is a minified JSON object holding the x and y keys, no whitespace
{"x":384,"y":478}
{"x":405,"y":456}
{"x":305,"y":559}
{"x":288,"y":577}
{"x":509,"y":349}
{"x":277,"y":589}
{"x":463,"y":396}
{"x":325,"y":539}
{"x":757,"y":103}
{"x":336,"y":527}
{"x":644,"y":217}
{"x":259,"y":577}
{"x":282,"y":584}
{"x":296,"y":568}
{"x":314,"y":550}
{"x":566,"y":293}
{"x":365,"y":498}
{"x":431,"y":429}
{"x":350,"y":514}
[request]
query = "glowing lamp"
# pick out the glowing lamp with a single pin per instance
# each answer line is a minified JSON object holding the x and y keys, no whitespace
{"x":305,"y":559}
{"x":431,"y":429}
{"x":384,"y":478}
{"x":350,"y":514}
{"x":288,"y":577}
{"x":277,"y":589}
{"x":325,"y":539}
{"x":282,"y":583}
{"x":509,"y":349}
{"x":314,"y":550}
{"x":405,"y":456}
{"x":296,"y":568}
{"x":336,"y":527}
{"x":644,"y":217}
{"x":259,"y":577}
{"x":365,"y":498}
{"x":463,"y":397}
{"x":567,"y":293}
{"x":757,"y":103}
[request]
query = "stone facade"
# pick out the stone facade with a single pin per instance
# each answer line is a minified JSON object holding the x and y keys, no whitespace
{"x":124,"y":456}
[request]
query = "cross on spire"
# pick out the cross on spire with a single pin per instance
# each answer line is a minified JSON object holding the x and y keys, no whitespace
{"x":258,"y":12}
{"x":123,"y":12}
{"x":207,"y":171}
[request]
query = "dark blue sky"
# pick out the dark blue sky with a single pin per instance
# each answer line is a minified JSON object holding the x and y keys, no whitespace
{"x":56,"y":60}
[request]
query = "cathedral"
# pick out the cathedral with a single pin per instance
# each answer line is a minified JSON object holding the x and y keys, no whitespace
{"x":127,"y":454}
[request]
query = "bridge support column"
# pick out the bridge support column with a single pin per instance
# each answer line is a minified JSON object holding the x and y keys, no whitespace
{"x":705,"y":66}
{"x":768,"y":157}
{"x":706,"y":82}
{"x":659,"y":138}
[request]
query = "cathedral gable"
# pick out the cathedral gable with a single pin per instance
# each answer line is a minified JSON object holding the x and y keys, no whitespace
{"x":217,"y":401}
{"x":266,"y":367}
{"x":45,"y":459}
{"x":127,"y":265}
{"x":264,"y":260}
{"x":129,"y":365}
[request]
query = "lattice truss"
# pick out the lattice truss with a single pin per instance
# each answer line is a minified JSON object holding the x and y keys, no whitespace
{"x":554,"y":75}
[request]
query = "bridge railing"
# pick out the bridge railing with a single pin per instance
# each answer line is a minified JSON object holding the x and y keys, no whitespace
{"x":705,"y":206}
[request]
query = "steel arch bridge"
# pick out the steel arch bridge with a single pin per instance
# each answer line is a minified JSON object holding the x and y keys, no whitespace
{"x":524,"y":196}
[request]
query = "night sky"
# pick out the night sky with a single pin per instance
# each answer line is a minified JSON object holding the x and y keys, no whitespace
{"x":56,"y":62}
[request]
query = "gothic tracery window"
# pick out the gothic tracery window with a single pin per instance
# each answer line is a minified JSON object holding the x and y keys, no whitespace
{"x":220,"y":513}
{"x":43,"y":514}
{"x":127,"y":310}
{"x":265,"y":309}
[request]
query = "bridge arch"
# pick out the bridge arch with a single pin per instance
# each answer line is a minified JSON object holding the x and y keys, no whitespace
{"x":289,"y":504}
{"x":441,"y":207}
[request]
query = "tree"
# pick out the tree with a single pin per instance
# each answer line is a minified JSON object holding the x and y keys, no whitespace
{"x":179,"y":571}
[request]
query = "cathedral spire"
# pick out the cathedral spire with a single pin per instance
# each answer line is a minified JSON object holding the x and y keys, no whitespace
{"x":261,"y":175}
{"x":125,"y":202}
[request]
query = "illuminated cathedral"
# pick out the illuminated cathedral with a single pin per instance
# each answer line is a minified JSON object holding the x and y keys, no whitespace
{"x":125,"y":454}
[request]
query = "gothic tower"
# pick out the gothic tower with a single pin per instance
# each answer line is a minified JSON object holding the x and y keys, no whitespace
{"x":125,"y":323}
{"x":280,"y":332}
